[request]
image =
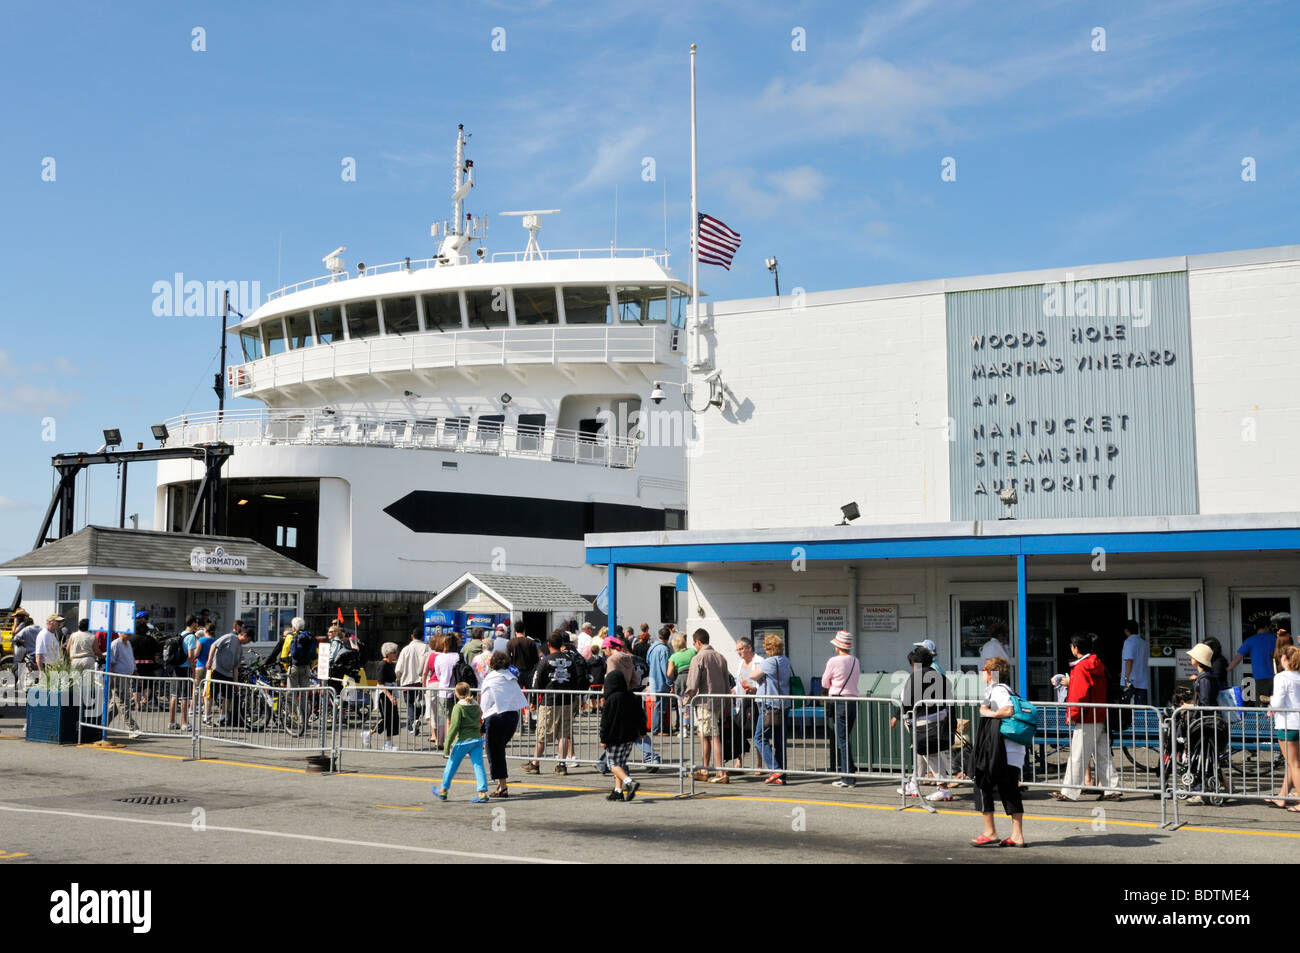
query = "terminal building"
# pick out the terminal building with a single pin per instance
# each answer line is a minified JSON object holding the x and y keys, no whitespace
{"x":1143,"y":416}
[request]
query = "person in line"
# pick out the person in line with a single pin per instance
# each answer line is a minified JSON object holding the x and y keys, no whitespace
{"x":225,"y":657}
{"x":1089,"y":740}
{"x":121,"y":662}
{"x":769,"y":724}
{"x":840,"y":680}
{"x":1136,"y":677}
{"x":1285,"y":703}
{"x":997,"y":759}
{"x":203,"y":646}
{"x":411,"y":662}
{"x":642,"y":646}
{"x":738,"y":720}
{"x":996,"y":646}
{"x":587,"y":635}
{"x":25,"y":631}
{"x":81,"y":648}
{"x":1206,"y":730}
{"x":1259,"y":647}
{"x":559,"y":672}
{"x":303,"y":653}
{"x":618,"y":659}
{"x":708,"y":676}
{"x":389,"y":719}
{"x":928,"y":724}
{"x":49,"y":651}
{"x":183,"y":677}
{"x":661,"y":717}
{"x":622,"y":722}
{"x":500,"y":638}
{"x":441,"y":669}
{"x":464,"y":738}
{"x":502,"y":700}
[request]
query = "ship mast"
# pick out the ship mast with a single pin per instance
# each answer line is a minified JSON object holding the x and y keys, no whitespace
{"x":462,"y":229}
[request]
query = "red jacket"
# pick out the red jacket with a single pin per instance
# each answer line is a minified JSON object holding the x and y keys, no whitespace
{"x":1087,"y":684}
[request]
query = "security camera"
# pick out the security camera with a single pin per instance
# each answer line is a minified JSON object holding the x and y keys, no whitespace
{"x":481,"y":252}
{"x":713,"y":375}
{"x":657,"y":395}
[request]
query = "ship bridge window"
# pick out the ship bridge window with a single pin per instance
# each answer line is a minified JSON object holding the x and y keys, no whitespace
{"x":642,"y":303}
{"x":363,"y":319}
{"x":442,"y":312}
{"x":400,"y":316}
{"x":273,"y":332}
{"x":536,"y":306}
{"x":487,"y":308}
{"x":677,"y":303}
{"x":329,"y":324}
{"x":251,"y":342}
{"x":299,"y":329}
{"x":586,"y":305}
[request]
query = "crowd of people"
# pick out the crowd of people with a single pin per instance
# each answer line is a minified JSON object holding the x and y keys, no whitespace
{"x":468,"y":693}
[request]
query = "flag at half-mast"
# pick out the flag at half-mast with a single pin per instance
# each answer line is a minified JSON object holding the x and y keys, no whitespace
{"x":718,"y":243}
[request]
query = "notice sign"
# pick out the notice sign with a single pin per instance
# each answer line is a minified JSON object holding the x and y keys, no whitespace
{"x":880,"y":618}
{"x":123,"y":617}
{"x":323,"y":661}
{"x":827,"y":620}
{"x":100,"y":615}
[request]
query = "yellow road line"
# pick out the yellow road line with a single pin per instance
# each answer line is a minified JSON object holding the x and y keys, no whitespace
{"x":808,"y":802}
{"x":395,"y":807}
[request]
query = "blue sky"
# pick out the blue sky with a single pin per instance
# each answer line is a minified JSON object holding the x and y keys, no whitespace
{"x":225,"y":164}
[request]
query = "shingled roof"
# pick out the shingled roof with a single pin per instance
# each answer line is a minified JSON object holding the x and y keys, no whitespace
{"x":521,"y":593}
{"x":107,"y":548}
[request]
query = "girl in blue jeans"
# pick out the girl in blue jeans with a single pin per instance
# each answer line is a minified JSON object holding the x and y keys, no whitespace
{"x":464,"y":737}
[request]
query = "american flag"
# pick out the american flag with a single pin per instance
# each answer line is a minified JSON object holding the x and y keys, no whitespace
{"x":718,"y":243}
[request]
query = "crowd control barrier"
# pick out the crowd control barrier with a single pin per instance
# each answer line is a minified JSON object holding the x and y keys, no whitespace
{"x":845,"y":739}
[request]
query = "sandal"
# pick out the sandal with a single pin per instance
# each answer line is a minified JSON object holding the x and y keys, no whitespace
{"x":1293,"y":810}
{"x":985,"y":841}
{"x":1117,"y":796}
{"x":1010,"y":843}
{"x":500,"y":792}
{"x":1057,"y":796}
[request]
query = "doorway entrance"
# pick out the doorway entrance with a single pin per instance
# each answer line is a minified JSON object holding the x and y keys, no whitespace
{"x":1101,"y":612}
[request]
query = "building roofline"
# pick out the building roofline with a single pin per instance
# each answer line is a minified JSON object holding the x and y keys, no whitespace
{"x":1012,"y":279}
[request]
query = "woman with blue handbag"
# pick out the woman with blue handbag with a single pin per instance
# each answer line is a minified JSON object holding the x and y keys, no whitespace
{"x":998,"y":757}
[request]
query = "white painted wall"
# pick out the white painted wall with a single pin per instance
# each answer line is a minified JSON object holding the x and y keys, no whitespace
{"x":836,"y":402}
{"x":1245,"y":357}
{"x":923,"y":594}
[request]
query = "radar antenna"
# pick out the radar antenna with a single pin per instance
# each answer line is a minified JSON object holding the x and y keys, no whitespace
{"x":533,"y":222}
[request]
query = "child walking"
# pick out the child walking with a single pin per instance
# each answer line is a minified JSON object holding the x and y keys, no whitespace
{"x":622,"y":722}
{"x":464,"y":737}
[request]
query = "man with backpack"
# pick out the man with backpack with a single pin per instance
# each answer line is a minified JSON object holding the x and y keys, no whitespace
{"x":303,"y":651}
{"x":562,"y":670}
{"x":178,"y":657}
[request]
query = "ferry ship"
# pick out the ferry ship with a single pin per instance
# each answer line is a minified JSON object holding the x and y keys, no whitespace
{"x":472,"y":411}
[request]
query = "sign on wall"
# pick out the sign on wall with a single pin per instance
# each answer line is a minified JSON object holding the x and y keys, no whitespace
{"x":880,"y":618}
{"x":1076,"y":394}
{"x":827,"y":620}
{"x":201,"y":561}
{"x":123,"y":617}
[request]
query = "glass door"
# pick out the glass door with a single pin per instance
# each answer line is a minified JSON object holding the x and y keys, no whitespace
{"x":973,"y":620}
{"x":1253,"y":610}
{"x":1171,"y":625}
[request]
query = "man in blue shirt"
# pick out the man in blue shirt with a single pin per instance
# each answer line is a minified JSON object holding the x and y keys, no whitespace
{"x":661,"y":718}
{"x":121,"y":662}
{"x":1260,"y":648}
{"x":1137,"y":665}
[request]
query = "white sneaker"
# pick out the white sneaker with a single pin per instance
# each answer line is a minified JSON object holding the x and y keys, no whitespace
{"x":909,"y":789}
{"x":388,"y":746}
{"x":840,"y":783}
{"x":943,"y":794}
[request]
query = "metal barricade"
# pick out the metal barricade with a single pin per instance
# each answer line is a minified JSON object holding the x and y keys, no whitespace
{"x":845,"y":739}
{"x":138,"y":705}
{"x":1220,"y":754}
{"x":389,"y":718}
{"x":1112,"y":749}
{"x":271,"y":717}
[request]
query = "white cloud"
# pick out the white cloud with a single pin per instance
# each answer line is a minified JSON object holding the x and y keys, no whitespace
{"x":33,"y":388}
{"x":7,"y":505}
{"x":760,"y":196}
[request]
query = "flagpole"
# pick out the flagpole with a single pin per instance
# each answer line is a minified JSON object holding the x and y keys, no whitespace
{"x":695,"y":226}
{"x":219,"y":385}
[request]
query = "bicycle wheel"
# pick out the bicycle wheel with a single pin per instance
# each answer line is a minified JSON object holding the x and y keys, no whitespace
{"x":1147,"y":759}
{"x":257,"y":712}
{"x":292,"y":720}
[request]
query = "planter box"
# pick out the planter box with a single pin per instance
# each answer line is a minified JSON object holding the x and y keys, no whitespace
{"x":52,"y":719}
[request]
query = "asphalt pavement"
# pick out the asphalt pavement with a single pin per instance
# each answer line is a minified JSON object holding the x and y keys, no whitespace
{"x":145,"y":802}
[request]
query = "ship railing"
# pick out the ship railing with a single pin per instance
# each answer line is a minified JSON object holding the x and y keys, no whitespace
{"x":416,"y":264}
{"x":540,"y":344}
{"x":328,"y":427}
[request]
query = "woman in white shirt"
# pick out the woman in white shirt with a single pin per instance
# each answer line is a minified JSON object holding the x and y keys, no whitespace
{"x":997,"y":760}
{"x":1286,"y":721}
